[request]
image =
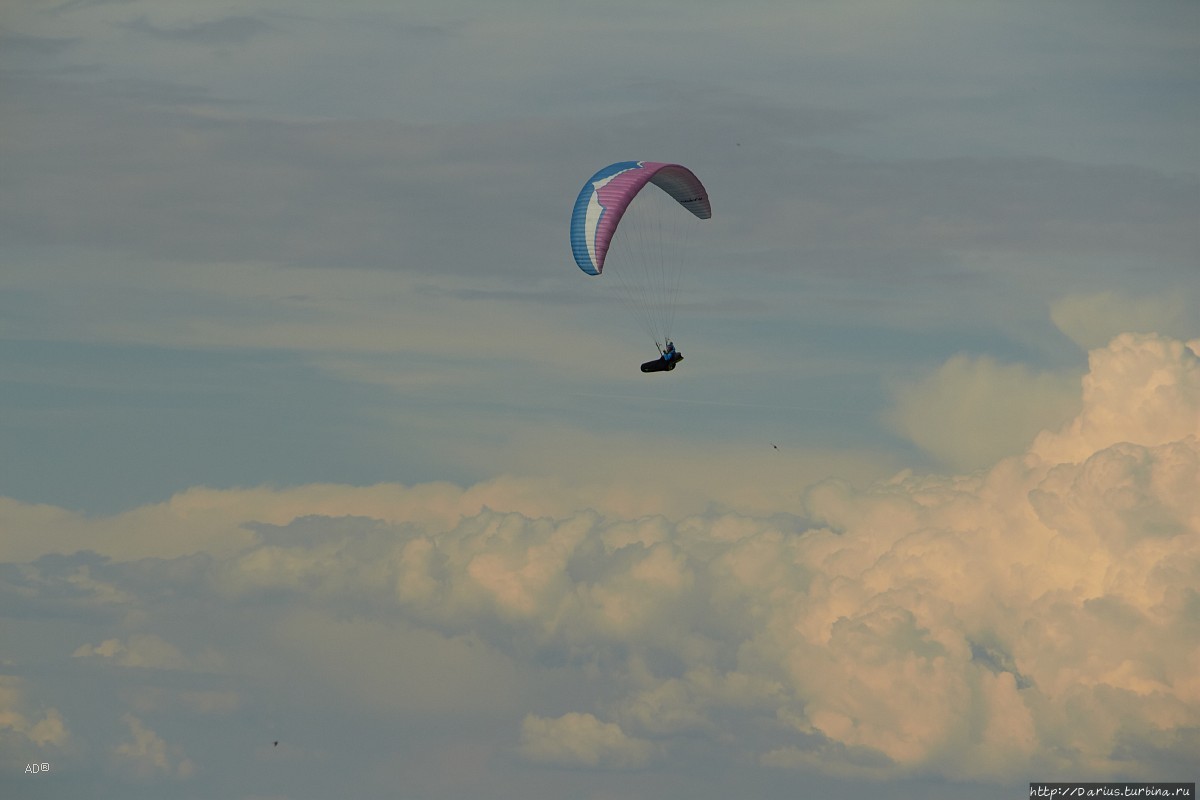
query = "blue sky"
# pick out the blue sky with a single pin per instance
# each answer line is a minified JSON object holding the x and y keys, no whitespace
{"x":313,"y":432}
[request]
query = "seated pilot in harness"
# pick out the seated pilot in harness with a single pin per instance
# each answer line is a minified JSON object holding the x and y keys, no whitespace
{"x":666,"y":362}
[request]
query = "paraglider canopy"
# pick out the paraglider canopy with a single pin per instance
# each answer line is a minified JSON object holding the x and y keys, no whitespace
{"x":607,"y":194}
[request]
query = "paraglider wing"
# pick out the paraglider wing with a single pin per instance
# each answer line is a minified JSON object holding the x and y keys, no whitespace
{"x":606,"y":195}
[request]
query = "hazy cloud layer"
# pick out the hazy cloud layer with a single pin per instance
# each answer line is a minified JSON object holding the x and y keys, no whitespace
{"x":1033,"y":619}
{"x":350,"y":220}
{"x":1090,"y":320}
{"x":581,"y":740}
{"x":147,"y":756}
{"x":972,"y":411}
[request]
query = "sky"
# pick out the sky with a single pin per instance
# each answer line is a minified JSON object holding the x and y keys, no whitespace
{"x":325,"y":472}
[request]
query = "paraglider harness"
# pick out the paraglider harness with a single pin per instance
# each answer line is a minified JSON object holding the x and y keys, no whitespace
{"x":667,"y":358}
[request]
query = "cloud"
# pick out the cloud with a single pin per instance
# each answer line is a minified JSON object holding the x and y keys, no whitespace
{"x":955,"y":624}
{"x":20,"y":726}
{"x":581,"y":740}
{"x":1033,"y":618}
{"x":145,"y":755}
{"x":971,"y":412}
{"x":148,"y":652}
{"x":1142,"y":388}
{"x":225,"y":30}
{"x":381,"y":664}
{"x":1091,"y":320}
{"x":200,"y":701}
{"x":35,"y":45}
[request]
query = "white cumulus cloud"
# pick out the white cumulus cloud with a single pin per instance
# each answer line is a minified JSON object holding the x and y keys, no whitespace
{"x":962,"y":624}
{"x":1142,"y":388}
{"x":1034,"y":618}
